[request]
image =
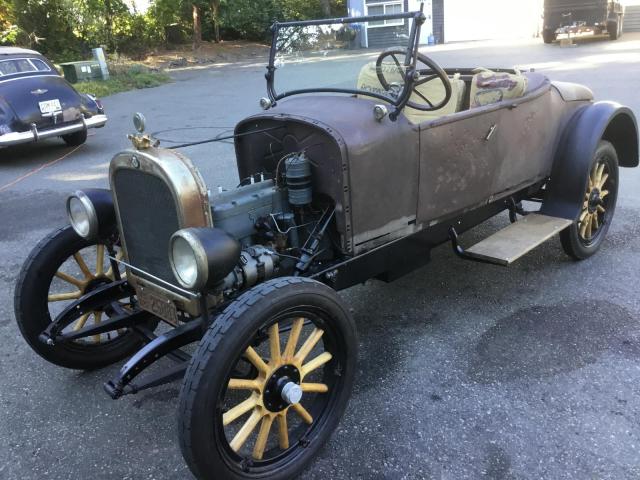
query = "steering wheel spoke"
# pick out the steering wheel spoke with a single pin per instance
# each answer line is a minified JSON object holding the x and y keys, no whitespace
{"x":431,"y":66}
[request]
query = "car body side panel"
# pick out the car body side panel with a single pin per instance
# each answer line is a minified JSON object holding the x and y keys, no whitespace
{"x":488,"y":153}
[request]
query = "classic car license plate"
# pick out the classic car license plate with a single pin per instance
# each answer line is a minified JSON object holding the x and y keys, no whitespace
{"x":50,"y":106}
{"x":162,"y":307}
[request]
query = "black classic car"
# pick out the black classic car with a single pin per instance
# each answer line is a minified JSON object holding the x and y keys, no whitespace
{"x":358,"y":177}
{"x":37,"y":103}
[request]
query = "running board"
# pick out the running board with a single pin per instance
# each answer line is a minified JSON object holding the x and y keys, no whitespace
{"x":509,"y":244}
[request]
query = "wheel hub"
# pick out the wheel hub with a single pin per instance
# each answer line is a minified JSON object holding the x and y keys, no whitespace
{"x":282,"y":389}
{"x":594,"y":200}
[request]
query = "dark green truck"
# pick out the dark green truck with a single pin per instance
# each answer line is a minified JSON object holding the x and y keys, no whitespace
{"x":577,"y":17}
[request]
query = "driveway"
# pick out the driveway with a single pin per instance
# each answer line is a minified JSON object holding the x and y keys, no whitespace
{"x":466,"y":370}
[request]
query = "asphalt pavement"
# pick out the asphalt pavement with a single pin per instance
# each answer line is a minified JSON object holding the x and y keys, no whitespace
{"x":466,"y":371}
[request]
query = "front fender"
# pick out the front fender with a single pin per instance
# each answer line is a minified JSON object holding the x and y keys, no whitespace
{"x":595,"y":122}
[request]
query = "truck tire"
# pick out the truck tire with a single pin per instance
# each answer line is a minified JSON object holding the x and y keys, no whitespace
{"x":548,"y":36}
{"x":613,"y":28}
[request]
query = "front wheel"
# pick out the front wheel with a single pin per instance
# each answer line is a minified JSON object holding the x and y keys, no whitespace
{"x":614,"y":30}
{"x":585,"y":236}
{"x":61,"y":269}
{"x":268,"y":383}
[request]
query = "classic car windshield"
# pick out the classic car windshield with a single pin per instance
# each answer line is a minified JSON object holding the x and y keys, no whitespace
{"x":343,"y":55}
{"x":14,"y":66}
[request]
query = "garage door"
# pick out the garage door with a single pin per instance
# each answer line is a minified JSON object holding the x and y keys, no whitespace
{"x":632,"y":19}
{"x":490,"y":19}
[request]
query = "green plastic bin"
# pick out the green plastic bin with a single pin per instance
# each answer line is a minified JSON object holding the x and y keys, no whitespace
{"x":84,"y":71}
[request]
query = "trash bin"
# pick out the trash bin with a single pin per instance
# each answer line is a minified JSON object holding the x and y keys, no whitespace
{"x":76,"y":72}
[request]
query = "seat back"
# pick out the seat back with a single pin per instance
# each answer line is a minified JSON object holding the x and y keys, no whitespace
{"x":434,"y":91}
{"x":489,"y":87}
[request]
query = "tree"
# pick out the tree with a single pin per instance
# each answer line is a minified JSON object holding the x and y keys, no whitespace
{"x":215,"y":17}
{"x":197,"y":26}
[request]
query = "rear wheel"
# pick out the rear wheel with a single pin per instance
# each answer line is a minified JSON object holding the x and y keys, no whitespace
{"x":59,"y":270}
{"x":76,"y":138}
{"x":548,"y":36}
{"x":268,"y":383}
{"x":585,"y":236}
{"x":614,"y":29}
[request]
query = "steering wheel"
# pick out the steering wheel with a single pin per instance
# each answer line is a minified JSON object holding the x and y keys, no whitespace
{"x":431,"y":67}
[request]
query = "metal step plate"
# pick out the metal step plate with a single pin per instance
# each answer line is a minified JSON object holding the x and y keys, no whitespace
{"x":511,"y":243}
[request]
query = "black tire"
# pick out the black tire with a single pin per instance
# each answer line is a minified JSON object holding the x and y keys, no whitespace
{"x":203,"y":440}
{"x":573,"y":242}
{"x":548,"y":36}
{"x":33,"y":315}
{"x":76,"y":138}
{"x":614,"y":30}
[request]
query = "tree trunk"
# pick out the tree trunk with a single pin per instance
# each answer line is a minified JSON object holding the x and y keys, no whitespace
{"x":326,"y":7}
{"x":197,"y":27}
{"x":215,"y":15}
{"x":109,"y":21}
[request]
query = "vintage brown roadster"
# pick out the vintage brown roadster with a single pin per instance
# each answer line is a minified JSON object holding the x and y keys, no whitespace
{"x":236,"y":290}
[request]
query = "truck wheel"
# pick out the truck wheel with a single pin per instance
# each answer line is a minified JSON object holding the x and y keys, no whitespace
{"x":76,"y":138}
{"x":268,"y":383}
{"x":59,"y":270}
{"x":614,"y":30}
{"x":548,"y":36}
{"x":585,"y":236}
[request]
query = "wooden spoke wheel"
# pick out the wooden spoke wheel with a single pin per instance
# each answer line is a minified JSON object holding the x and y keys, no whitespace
{"x":268,"y":383}
{"x":585,"y":236}
{"x":61,"y":269}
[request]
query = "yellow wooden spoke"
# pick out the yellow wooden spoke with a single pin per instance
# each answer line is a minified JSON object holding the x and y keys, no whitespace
{"x":256,"y":360}
{"x":604,"y":193}
{"x":314,"y":387}
{"x":97,"y":318}
{"x":302,"y":412}
{"x":242,"y":384}
{"x":583,"y":227}
{"x":595,"y":221}
{"x":99,"y":259}
{"x":283,"y":433}
{"x":583,"y":216}
{"x":69,"y":279}
{"x":308,"y":345}
{"x":239,"y":410}
{"x":274,"y":343}
{"x":603,"y":180}
{"x":589,"y":225}
{"x":315,"y":363}
{"x":83,"y":266}
{"x":599,"y":173}
{"x":243,"y":434}
{"x":294,"y":335}
{"x":263,"y":436}
{"x":80,"y":323}
{"x":601,"y":209}
{"x":59,"y":297}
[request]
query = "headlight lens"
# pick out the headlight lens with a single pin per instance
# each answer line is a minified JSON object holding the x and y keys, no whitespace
{"x":79,"y":216}
{"x":185,"y":264}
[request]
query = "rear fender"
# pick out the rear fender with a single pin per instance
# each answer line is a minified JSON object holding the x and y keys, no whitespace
{"x":599,"y":121}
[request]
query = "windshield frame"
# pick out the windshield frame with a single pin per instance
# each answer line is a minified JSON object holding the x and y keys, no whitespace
{"x":418,"y":18}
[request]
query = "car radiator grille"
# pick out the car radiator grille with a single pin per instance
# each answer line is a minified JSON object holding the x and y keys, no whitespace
{"x":148,"y":218}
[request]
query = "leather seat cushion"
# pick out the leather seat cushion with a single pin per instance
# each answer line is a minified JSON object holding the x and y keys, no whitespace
{"x":488,"y":87}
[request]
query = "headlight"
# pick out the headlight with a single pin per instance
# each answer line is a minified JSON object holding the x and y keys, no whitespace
{"x":202,"y":257}
{"x":91,"y":213}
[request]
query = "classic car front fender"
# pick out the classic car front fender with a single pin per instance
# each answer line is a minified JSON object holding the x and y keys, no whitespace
{"x":595,"y":122}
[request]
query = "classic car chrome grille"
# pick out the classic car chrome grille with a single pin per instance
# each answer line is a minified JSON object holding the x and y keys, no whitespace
{"x":148,"y":218}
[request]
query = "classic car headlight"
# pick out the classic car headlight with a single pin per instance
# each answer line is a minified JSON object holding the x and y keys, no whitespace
{"x":202,"y":257}
{"x":91,"y":213}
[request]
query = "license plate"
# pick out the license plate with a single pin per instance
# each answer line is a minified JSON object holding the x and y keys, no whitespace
{"x":50,"y":106}
{"x":161,"y":307}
